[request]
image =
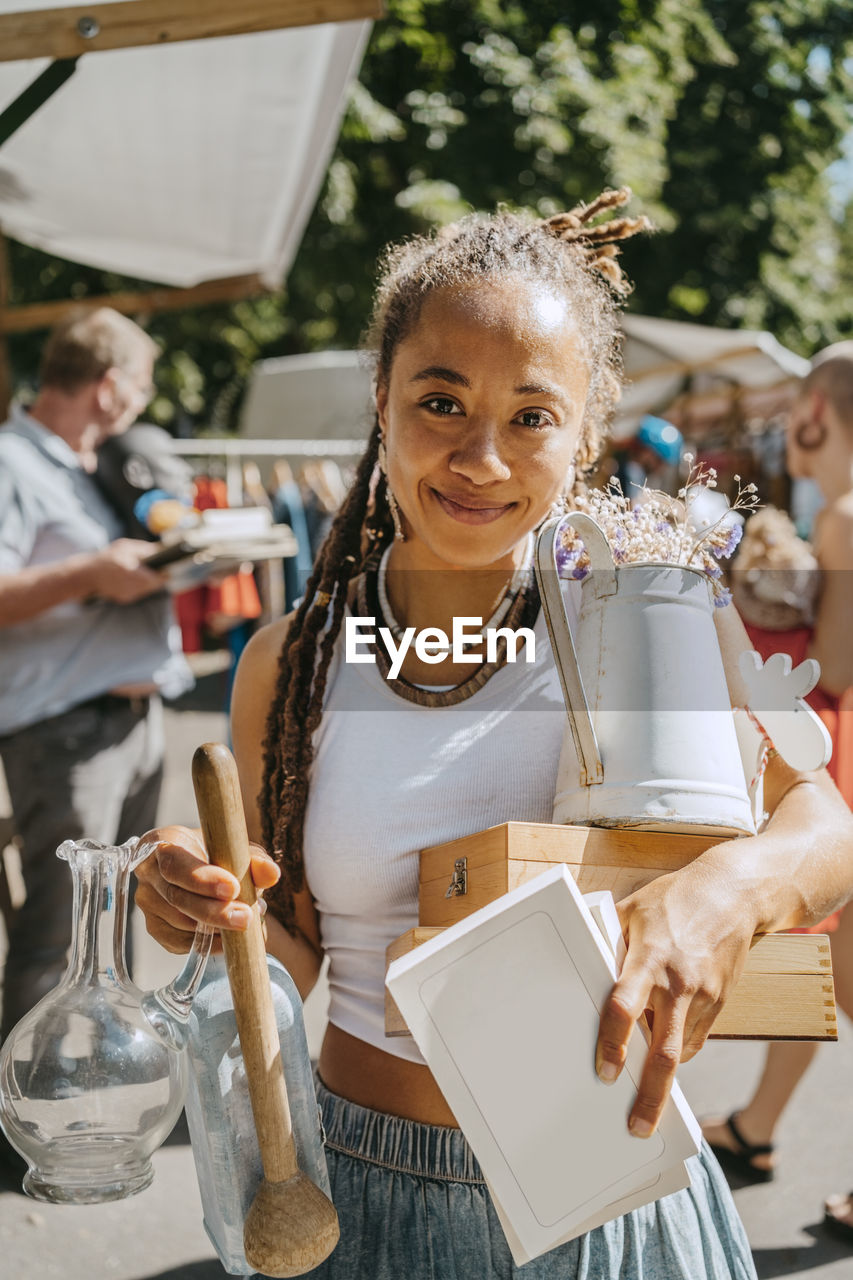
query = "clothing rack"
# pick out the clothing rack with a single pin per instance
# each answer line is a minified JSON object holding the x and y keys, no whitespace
{"x":234,"y":450}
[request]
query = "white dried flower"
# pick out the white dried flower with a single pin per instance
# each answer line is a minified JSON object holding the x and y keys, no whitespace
{"x":658,"y":528}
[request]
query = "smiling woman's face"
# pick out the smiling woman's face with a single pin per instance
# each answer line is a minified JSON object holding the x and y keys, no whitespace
{"x":481,"y":417}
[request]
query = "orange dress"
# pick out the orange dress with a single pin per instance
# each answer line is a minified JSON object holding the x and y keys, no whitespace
{"x":835,"y":711}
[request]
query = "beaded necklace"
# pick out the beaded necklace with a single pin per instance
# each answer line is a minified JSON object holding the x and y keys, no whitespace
{"x":518,"y":608}
{"x":519,"y":578}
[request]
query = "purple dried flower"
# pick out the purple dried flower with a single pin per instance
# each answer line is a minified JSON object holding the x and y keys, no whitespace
{"x":735,"y":535}
{"x":724,"y":540}
{"x":567,"y":557}
{"x":722,"y":597}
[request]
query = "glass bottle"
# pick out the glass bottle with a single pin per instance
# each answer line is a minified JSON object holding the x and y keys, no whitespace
{"x":219,"y":1110}
{"x":93,"y":1078}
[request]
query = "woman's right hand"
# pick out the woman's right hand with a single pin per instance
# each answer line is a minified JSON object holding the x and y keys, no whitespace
{"x":179,"y":888}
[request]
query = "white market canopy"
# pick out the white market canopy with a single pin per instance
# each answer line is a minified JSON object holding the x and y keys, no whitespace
{"x":183,"y":160}
{"x":667,"y":359}
{"x":327,"y":395}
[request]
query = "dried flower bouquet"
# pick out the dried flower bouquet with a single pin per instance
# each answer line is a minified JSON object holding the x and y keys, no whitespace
{"x":656,"y":528}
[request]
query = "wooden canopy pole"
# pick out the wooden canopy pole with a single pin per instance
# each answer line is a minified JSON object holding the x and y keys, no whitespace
{"x":44,"y":315}
{"x":66,"y":33}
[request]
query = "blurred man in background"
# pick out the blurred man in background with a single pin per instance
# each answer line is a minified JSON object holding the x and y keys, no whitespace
{"x":87,"y":637}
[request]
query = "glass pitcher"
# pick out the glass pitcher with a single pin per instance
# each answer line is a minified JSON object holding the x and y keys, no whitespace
{"x":93,"y":1078}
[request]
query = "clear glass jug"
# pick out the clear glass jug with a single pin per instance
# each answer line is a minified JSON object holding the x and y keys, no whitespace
{"x":92,"y":1080}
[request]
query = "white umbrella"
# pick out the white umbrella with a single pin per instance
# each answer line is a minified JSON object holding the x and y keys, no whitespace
{"x":665,"y":358}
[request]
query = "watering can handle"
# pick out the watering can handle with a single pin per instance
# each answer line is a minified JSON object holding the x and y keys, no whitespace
{"x":604,"y":576}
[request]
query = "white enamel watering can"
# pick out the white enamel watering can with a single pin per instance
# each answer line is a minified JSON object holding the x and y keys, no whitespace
{"x":652,"y":742}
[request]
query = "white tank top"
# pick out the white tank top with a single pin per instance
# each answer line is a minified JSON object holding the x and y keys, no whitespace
{"x":390,"y":778}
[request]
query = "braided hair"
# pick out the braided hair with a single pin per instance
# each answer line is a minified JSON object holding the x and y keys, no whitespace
{"x":565,"y":252}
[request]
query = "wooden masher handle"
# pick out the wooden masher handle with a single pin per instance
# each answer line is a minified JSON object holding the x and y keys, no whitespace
{"x":223,"y":824}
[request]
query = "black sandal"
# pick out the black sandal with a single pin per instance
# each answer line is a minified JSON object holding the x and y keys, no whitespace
{"x":841,"y":1230}
{"x":739,"y":1161}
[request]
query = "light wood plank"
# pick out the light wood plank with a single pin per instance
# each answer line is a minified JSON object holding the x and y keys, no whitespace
{"x":549,"y":842}
{"x":590,"y":878}
{"x":408,"y":941}
{"x":608,"y":846}
{"x":56,"y":33}
{"x":780,"y":1006}
{"x":802,"y":953}
{"x":485,"y":883}
{"x":395,"y":1023}
{"x":44,"y":315}
{"x":490,"y":882}
{"x":784,"y":993}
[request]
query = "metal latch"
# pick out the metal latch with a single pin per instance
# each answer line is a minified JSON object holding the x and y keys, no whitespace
{"x":459,"y":880}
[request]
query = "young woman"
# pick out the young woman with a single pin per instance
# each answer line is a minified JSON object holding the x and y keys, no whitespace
{"x":497,"y":371}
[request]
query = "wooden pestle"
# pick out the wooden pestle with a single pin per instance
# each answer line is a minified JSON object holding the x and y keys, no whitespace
{"x":291,"y":1225}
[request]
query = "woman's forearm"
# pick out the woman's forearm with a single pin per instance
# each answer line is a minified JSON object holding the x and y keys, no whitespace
{"x":800,"y":868}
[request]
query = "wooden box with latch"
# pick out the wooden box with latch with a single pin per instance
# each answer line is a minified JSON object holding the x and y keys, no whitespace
{"x":458,"y":877}
{"x":784,"y":993}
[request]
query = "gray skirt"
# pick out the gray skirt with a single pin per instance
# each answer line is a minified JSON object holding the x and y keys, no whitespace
{"x":413,"y":1205}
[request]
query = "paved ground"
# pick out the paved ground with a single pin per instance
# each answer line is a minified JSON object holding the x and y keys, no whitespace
{"x":158,"y":1234}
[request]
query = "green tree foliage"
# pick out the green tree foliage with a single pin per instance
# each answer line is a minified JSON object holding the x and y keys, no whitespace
{"x":722,"y":115}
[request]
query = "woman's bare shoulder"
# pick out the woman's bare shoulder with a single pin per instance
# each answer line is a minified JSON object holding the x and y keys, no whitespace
{"x":257,"y":670}
{"x":264,"y":648}
{"x":251,"y":701}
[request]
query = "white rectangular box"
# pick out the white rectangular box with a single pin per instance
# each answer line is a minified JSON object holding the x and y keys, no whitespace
{"x":504,"y":1007}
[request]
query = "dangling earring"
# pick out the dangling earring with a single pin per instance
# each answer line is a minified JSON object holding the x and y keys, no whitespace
{"x":399,"y":535}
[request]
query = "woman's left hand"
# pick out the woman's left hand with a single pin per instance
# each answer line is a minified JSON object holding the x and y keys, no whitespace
{"x":687,"y":935}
